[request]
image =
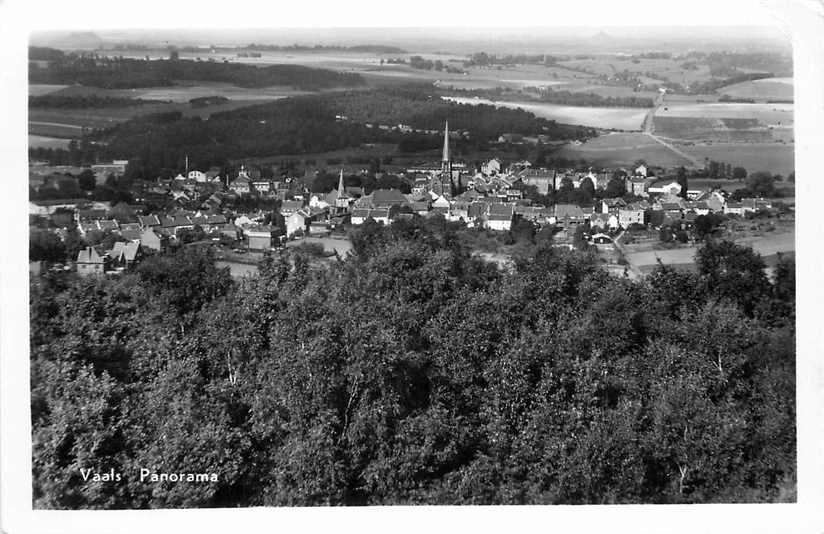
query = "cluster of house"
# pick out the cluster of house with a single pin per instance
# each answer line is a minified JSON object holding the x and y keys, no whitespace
{"x":491,"y":197}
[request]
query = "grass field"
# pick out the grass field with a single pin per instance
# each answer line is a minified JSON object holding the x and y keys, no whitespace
{"x":764,"y":89}
{"x":725,"y":122}
{"x":341,"y":246}
{"x":768,"y":245}
{"x":68,"y":122}
{"x":771,"y":114}
{"x":622,"y":150}
{"x":37,"y":89}
{"x":669,"y":69}
{"x":50,"y":128}
{"x":776,"y":158}
{"x":41,"y":141}
{"x":608,"y":118}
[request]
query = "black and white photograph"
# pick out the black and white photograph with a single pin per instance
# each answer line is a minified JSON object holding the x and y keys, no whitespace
{"x":385,"y":263}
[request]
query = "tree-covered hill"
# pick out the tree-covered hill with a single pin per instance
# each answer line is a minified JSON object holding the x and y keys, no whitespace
{"x":300,"y":125}
{"x":126,"y":73}
{"x":412,"y":373}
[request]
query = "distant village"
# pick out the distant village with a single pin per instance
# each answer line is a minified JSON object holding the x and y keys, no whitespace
{"x":201,"y":205}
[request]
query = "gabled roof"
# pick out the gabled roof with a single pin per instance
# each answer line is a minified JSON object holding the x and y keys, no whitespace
{"x":382,"y":197}
{"x":611,"y":202}
{"x":130,"y":234}
{"x":568,"y":210}
{"x":89,"y":255}
{"x":291,"y":205}
{"x":506,"y":210}
{"x":126,"y":251}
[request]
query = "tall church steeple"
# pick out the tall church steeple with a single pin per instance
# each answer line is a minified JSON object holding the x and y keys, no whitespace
{"x":340,"y":183}
{"x":446,"y":164}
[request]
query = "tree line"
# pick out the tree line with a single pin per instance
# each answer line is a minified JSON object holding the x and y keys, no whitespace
{"x":58,"y":101}
{"x":127,"y":73}
{"x":414,"y":373}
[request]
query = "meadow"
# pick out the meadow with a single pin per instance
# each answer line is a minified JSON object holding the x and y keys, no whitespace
{"x":595,"y":117}
{"x":645,"y":256}
{"x":764,"y":89}
{"x":773,"y":114}
{"x":775,"y":158}
{"x":42,"y":141}
{"x":668,"y":69}
{"x":725,"y":122}
{"x":622,"y":150}
{"x":69,"y":122}
{"x":37,"y":89}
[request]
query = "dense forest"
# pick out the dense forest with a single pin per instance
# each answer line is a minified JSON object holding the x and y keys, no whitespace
{"x":298,"y":125}
{"x":126,"y":73}
{"x":413,"y":373}
{"x":59,"y":101}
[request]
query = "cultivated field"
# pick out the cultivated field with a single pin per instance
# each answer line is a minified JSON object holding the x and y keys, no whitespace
{"x":622,"y":150}
{"x":606,"y":118}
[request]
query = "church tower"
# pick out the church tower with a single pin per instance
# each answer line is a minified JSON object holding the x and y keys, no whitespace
{"x":342,"y":198}
{"x":446,"y":164}
{"x":340,"y":184}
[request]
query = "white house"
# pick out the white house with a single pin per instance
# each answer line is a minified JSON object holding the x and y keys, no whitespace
{"x":672,"y":188}
{"x":316,"y":202}
{"x":197,"y":176}
{"x":297,"y":221}
{"x":629,"y":215}
{"x":491,"y":167}
{"x":500,"y":217}
{"x":441,"y":202}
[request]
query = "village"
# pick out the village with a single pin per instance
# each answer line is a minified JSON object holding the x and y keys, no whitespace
{"x":620,"y":206}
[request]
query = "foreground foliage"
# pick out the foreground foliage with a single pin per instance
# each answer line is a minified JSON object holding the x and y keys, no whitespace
{"x":414,"y":373}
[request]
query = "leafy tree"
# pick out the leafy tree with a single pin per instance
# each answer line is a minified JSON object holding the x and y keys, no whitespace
{"x":86,"y":180}
{"x":739,"y":173}
{"x":761,"y":184}
{"x":682,"y":181}
{"x":733,"y":272}
{"x":413,"y":372}
{"x":46,"y":246}
{"x":615,"y":188}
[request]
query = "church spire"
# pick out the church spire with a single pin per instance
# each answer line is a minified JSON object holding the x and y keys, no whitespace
{"x":446,"y":164}
{"x":446,"y":142}
{"x":340,"y":182}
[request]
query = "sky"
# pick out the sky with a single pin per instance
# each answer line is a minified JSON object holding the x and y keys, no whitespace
{"x":90,"y":14}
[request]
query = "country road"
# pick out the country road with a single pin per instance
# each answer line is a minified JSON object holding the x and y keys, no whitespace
{"x":694,"y":161}
{"x":649,"y":130}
